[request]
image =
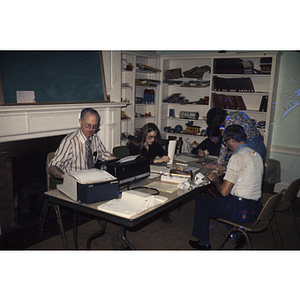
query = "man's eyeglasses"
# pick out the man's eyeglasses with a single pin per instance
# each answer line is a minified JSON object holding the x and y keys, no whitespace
{"x":224,"y":142}
{"x":89,"y":126}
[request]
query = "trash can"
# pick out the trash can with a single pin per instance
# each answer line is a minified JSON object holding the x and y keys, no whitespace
{"x":272,"y":172}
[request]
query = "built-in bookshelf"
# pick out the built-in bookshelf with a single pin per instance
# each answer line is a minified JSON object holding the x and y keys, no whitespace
{"x":140,"y":91}
{"x":233,"y":81}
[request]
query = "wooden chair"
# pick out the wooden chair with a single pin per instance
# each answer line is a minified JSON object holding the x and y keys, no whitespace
{"x":289,"y":195}
{"x":120,"y":151}
{"x":261,"y":223}
{"x":51,"y":185}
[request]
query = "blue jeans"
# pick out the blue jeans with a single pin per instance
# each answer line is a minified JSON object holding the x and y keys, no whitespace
{"x":228,"y":208}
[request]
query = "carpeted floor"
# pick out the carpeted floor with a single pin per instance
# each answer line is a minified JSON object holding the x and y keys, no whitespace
{"x":156,"y":235}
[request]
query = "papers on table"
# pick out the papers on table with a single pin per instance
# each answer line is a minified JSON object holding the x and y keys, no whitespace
{"x":131,"y":203}
{"x":159,"y":169}
{"x":186,"y":158}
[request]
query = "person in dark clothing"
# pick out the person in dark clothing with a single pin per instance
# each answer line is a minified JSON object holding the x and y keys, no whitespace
{"x":146,"y":144}
{"x":212,"y":143}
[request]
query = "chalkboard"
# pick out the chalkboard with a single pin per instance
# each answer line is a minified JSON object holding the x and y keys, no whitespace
{"x":54,"y":76}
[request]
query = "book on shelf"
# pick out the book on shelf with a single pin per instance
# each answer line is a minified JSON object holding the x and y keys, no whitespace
{"x":173,"y":73}
{"x":142,"y":67}
{"x":197,"y":72}
{"x":196,"y":83}
{"x":239,"y":84}
{"x":265,"y":65}
{"x":146,"y":82}
{"x":228,"y":66}
{"x":264,"y":103}
{"x":228,"y":102}
{"x":175,"y":98}
{"x":172,"y":81}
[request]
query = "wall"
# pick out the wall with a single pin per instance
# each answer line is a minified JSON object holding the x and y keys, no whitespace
{"x":22,"y":126}
{"x":285,"y":142}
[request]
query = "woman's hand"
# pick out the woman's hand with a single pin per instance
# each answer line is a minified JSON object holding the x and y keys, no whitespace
{"x":162,"y":159}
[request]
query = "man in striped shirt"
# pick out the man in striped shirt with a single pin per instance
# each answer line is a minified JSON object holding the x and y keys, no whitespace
{"x":71,"y":153}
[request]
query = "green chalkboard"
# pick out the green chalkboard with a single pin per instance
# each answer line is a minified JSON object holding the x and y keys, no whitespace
{"x":54,"y":76}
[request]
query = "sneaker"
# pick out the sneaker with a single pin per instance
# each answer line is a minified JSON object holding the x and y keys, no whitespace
{"x":195,"y":245}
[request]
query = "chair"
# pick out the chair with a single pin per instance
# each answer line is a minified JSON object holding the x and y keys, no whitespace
{"x":120,"y":151}
{"x":51,"y":185}
{"x":289,"y":195}
{"x":260,"y":224}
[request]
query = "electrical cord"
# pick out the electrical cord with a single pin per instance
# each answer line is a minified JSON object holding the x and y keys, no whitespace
{"x":144,"y":187}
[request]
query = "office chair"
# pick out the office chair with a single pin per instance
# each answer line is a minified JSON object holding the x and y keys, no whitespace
{"x":289,"y":195}
{"x":120,"y":151}
{"x":258,"y":225}
{"x":51,"y":185}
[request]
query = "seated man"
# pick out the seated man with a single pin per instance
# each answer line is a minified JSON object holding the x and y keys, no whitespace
{"x":80,"y":149}
{"x":240,"y":189}
{"x":212,"y":143}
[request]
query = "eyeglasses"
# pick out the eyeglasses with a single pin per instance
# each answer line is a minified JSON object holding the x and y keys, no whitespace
{"x":225,"y":142}
{"x":89,"y":126}
{"x":151,"y":137}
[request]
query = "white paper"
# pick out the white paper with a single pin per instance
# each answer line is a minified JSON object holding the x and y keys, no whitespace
{"x":171,"y":150}
{"x":91,"y":176}
{"x":131,"y":203}
{"x":128,"y":158}
{"x":25,"y":97}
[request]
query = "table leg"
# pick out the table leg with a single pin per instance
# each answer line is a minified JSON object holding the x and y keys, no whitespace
{"x":123,"y":233}
{"x":61,"y":227}
{"x":96,"y":234}
{"x":43,"y":217}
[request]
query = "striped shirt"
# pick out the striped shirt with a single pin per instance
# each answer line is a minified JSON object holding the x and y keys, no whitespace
{"x":71,"y":156}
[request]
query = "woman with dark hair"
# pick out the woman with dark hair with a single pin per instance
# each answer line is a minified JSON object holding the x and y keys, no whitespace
{"x":218,"y":117}
{"x":146,"y":144}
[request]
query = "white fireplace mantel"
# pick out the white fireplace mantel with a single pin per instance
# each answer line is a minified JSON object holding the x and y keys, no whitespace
{"x":22,"y":122}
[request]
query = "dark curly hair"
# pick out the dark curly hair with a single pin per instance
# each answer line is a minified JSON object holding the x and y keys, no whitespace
{"x":235,"y":132}
{"x":215,"y":117}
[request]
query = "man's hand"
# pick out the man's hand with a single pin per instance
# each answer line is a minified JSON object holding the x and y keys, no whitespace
{"x":215,"y":167}
{"x":56,"y":172}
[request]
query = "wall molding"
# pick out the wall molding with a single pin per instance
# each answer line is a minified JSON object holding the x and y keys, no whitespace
{"x":22,"y":122}
{"x":285,"y":150}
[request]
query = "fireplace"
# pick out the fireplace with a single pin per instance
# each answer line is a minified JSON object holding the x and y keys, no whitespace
{"x":27,"y":134}
{"x":23,"y":169}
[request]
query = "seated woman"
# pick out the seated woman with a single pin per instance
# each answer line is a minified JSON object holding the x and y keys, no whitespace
{"x":212,"y":143}
{"x":146,"y":144}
